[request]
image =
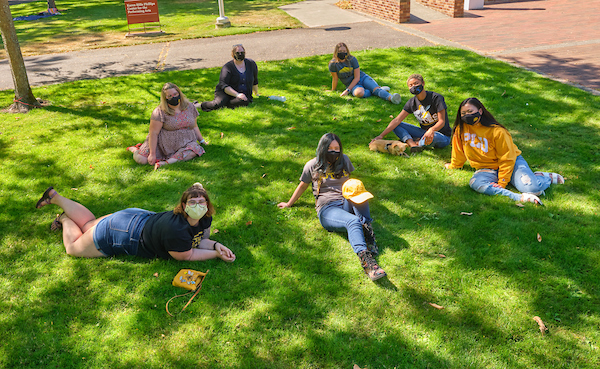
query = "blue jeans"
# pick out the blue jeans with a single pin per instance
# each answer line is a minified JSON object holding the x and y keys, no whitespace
{"x":522,"y":178}
{"x":120,"y":232}
{"x":406,"y":131}
{"x":370,"y":85}
{"x":339,"y":216}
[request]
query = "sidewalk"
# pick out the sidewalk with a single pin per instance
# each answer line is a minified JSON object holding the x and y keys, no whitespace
{"x":558,"y":38}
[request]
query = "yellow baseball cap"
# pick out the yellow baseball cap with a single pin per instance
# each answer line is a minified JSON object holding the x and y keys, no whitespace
{"x":355,"y":191}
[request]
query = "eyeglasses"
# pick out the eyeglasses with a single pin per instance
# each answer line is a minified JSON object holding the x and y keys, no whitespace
{"x":194,"y":202}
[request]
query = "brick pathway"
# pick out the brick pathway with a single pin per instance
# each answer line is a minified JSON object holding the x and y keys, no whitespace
{"x":560,"y":38}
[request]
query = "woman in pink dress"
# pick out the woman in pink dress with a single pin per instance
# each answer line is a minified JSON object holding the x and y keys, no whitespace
{"x":174,"y":135}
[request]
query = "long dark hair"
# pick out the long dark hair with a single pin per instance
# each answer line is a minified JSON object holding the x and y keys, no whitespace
{"x":487,"y":119}
{"x":322,"y":165}
{"x":197,"y":190}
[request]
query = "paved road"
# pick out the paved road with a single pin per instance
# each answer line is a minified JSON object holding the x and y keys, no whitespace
{"x":558,"y":38}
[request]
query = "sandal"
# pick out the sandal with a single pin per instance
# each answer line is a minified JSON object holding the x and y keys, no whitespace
{"x":45,"y":199}
{"x":529,"y":197}
{"x":56,"y":225}
{"x":134,"y":148}
{"x":158,"y":164}
{"x":554,"y":177}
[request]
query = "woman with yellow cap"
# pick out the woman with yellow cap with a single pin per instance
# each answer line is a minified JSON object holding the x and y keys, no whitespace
{"x":342,"y":203}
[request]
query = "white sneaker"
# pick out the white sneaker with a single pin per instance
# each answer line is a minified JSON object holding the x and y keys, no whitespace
{"x":396,"y":99}
{"x":385,"y":88}
{"x":529,"y":197}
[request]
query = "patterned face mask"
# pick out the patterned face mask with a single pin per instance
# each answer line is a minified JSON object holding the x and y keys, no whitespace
{"x":471,"y":119}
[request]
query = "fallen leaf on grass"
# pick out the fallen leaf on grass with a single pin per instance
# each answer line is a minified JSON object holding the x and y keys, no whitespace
{"x":356,"y":367}
{"x":290,"y":128}
{"x":539,"y":321}
{"x":264,"y":175}
{"x":442,"y":255}
{"x":155,"y":274}
{"x":436,"y":306}
{"x":91,"y":167}
{"x":465,"y":213}
{"x":391,"y":116}
{"x":378,"y":120}
{"x":216,"y":231}
{"x":221,"y":134}
{"x":539,"y":238}
{"x":74,"y":189}
{"x":520,"y":205}
{"x":248,"y":222}
{"x":334,"y":118}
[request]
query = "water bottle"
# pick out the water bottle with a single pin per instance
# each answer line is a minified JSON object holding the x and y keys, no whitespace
{"x":277,"y":98}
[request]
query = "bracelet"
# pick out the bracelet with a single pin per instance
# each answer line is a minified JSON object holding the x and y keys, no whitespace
{"x":215,"y":246}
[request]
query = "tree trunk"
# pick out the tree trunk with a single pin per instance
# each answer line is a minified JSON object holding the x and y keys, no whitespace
{"x":51,"y":4}
{"x":24,"y":99}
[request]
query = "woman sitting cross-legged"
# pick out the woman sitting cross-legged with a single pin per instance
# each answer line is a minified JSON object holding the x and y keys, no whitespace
{"x":174,"y":134}
{"x":328,"y":173}
{"x":489,"y":148}
{"x":180,"y":234}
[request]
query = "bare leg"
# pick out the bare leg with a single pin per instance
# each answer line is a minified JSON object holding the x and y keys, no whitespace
{"x":359,"y":92}
{"x":79,"y":243}
{"x":186,"y":155}
{"x":76,"y":212}
{"x":78,"y":227}
{"x":140,"y":159}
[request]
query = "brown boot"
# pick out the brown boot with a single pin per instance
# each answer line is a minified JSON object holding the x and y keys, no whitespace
{"x":370,"y":265}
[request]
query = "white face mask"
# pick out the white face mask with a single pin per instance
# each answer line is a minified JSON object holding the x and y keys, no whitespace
{"x":196,"y":211}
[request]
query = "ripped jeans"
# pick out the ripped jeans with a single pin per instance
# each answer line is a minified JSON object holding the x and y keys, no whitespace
{"x":522,"y":178}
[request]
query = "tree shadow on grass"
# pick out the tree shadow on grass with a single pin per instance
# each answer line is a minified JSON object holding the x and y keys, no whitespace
{"x":296,"y":294}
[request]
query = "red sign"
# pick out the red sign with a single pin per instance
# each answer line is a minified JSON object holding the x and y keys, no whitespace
{"x":141,"y":11}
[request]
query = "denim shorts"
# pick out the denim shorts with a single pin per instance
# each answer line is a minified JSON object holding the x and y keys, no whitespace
{"x":120,"y":232}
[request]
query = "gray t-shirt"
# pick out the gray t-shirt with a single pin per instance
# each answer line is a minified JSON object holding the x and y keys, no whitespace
{"x":345,"y":69}
{"x":331,"y":188}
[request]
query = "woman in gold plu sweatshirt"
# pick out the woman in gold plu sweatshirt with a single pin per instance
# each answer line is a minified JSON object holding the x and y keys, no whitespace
{"x":489,"y":148}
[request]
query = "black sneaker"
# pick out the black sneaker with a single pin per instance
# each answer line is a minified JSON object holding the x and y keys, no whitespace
{"x":370,"y":238}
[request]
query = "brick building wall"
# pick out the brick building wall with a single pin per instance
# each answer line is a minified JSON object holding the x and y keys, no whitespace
{"x":485,"y":2}
{"x":397,"y":11}
{"x":453,"y":8}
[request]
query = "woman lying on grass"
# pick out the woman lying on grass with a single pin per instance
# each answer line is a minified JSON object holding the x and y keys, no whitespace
{"x":328,"y":172}
{"x":174,"y":134}
{"x":181,"y":234}
{"x":345,"y":67}
{"x":488,"y":146}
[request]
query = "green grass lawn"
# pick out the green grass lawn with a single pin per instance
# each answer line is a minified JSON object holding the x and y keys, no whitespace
{"x":296,"y":296}
{"x":92,"y":24}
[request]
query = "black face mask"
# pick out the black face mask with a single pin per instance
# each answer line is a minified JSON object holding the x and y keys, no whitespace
{"x":332,"y":156}
{"x":174,"y":101}
{"x":342,"y":56}
{"x":471,"y":119}
{"x":240,"y":55}
{"x":415,"y":90}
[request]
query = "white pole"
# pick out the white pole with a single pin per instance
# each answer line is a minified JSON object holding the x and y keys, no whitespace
{"x":222,"y":21}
